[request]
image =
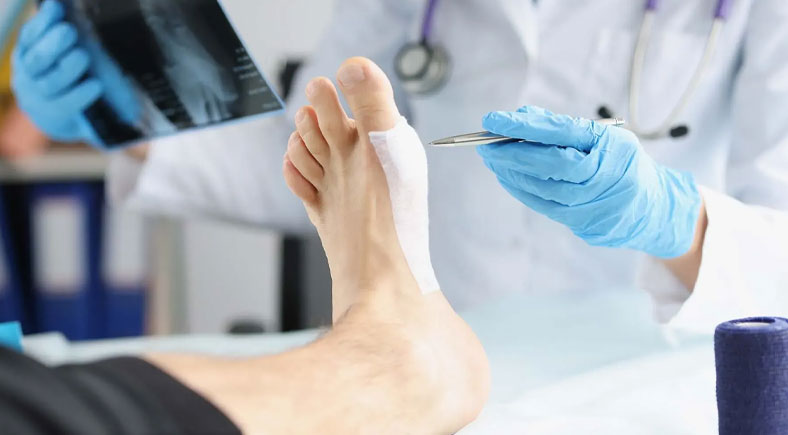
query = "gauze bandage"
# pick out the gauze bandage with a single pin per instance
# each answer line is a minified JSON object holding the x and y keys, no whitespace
{"x":404,"y":161}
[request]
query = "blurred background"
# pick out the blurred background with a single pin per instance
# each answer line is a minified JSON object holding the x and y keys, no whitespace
{"x":68,"y":263}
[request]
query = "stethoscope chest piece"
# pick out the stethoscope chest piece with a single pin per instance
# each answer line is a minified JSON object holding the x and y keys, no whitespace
{"x":423,"y":68}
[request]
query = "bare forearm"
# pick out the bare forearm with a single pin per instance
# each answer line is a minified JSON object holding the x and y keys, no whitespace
{"x":687,"y":267}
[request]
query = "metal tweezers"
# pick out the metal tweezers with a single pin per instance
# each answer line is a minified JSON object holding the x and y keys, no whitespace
{"x":488,"y":138}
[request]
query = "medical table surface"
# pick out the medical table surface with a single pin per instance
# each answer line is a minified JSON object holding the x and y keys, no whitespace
{"x":585,"y":362}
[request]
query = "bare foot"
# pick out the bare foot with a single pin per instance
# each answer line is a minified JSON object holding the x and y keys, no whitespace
{"x":332,"y":166}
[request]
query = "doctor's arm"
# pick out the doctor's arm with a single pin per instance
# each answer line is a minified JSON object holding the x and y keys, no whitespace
{"x":231,"y":172}
{"x":719,"y":255}
{"x":745,"y":247}
{"x":599,"y":182}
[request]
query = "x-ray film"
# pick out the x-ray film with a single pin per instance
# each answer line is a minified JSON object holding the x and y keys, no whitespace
{"x":180,"y":65}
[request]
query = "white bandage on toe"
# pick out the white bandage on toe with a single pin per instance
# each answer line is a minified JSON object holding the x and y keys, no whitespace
{"x":405,"y":163}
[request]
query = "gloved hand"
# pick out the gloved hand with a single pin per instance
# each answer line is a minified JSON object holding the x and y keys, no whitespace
{"x":57,"y":76}
{"x":595,"y":179}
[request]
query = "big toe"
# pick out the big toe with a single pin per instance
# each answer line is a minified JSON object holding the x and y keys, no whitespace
{"x":369,"y":94}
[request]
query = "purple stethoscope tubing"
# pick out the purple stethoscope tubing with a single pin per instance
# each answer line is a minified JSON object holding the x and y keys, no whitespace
{"x":429,"y":18}
{"x":721,"y":14}
{"x":722,"y":10}
{"x":424,"y":67}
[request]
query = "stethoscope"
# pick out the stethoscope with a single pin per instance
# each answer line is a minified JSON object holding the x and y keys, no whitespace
{"x":668,"y":127}
{"x":424,"y":67}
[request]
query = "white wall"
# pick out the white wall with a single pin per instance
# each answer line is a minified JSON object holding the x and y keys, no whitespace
{"x":276,"y":29}
{"x":233,"y":272}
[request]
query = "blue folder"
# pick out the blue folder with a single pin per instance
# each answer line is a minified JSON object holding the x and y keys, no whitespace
{"x":124,"y":272}
{"x":125,"y":311}
{"x":10,"y":290}
{"x":65,"y":233}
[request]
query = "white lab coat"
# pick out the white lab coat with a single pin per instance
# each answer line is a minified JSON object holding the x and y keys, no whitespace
{"x":571,"y":57}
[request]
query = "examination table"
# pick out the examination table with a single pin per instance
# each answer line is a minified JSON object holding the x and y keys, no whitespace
{"x":586,"y":362}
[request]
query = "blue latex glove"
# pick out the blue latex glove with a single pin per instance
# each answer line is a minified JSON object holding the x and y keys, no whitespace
{"x":595,"y":179}
{"x":57,"y":76}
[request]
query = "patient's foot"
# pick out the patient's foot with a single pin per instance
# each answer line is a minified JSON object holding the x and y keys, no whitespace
{"x":434,"y":366}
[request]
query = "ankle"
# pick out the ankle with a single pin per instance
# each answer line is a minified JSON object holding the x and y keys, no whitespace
{"x":439,"y":368}
{"x":377,"y":280}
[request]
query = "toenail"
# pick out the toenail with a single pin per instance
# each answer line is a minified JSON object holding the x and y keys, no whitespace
{"x":311,"y":88}
{"x":351,"y":75}
{"x":300,"y":115}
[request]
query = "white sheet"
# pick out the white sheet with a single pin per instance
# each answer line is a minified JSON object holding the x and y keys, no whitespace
{"x":586,"y":362}
{"x":670,"y":393}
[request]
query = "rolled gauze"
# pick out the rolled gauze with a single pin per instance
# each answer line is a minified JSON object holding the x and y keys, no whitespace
{"x":752,"y":376}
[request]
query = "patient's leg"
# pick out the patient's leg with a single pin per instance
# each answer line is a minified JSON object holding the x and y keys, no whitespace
{"x":333,"y":166}
{"x":398,"y":360}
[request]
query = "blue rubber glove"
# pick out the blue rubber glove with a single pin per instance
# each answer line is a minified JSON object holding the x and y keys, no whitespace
{"x":596,"y":180}
{"x":57,"y":76}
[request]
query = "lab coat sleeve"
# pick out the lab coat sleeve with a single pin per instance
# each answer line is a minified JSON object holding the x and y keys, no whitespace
{"x":230,"y":173}
{"x":235,"y":172}
{"x":744,"y":270}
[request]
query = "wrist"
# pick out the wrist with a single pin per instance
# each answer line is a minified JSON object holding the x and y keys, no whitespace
{"x":700,"y":230}
{"x":687,"y":267}
{"x":697,"y":220}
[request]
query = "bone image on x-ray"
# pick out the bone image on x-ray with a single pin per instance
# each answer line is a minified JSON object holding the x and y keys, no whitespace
{"x":204,"y":89}
{"x":157,"y":45}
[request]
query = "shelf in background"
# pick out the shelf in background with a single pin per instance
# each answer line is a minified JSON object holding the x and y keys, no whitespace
{"x":56,"y":165}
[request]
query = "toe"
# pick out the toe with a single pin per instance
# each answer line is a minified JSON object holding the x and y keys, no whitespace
{"x":303,"y":160}
{"x":309,"y":129}
{"x":369,"y":94}
{"x":298,"y":184}
{"x":331,"y":117}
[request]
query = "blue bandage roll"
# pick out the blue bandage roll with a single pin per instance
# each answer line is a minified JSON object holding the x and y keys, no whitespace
{"x":752,"y":376}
